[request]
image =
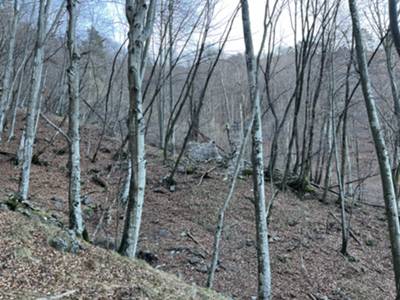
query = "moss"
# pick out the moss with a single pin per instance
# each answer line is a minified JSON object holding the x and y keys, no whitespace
{"x":89,"y":212}
{"x":247,"y":172}
{"x":370,"y":242}
{"x":12,"y":202}
{"x":190,"y":169}
{"x":25,"y":254}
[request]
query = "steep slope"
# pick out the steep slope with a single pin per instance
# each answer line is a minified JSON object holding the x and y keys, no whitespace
{"x":178,"y":227}
{"x":30,"y":268}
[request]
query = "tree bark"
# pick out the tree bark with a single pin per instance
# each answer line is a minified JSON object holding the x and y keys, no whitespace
{"x":394,"y":25}
{"x":380,"y":146}
{"x":74,"y":196}
{"x":33,"y":101}
{"x":7,"y":86}
{"x":140,"y":16}
{"x":257,"y":157}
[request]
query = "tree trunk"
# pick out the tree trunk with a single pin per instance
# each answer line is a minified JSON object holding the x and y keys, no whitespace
{"x":74,"y":196}
{"x":33,"y":100}
{"x":7,"y":86}
{"x":394,"y":25}
{"x":171,"y":63}
{"x":139,"y":31}
{"x":380,"y":146}
{"x":257,"y":157}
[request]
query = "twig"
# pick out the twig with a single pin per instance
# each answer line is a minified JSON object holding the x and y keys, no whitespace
{"x":206,"y":173}
{"x":59,"y":296}
{"x":56,"y":127}
{"x":189,"y":235}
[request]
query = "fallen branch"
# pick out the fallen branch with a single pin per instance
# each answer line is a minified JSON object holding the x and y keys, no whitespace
{"x":357,"y":180}
{"x":206,"y":173}
{"x":372,"y":204}
{"x":11,"y":155}
{"x":189,"y":235}
{"x":59,"y":296}
{"x":350,"y":231}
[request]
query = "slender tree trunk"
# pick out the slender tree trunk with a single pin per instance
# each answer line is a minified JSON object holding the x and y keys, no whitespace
{"x":394,"y":25}
{"x":257,"y":157}
{"x":74,"y":196}
{"x":221,"y":214}
{"x":33,"y":100}
{"x":171,"y":63}
{"x":7,"y":82}
{"x":140,"y":16}
{"x":161,"y":96}
{"x":16,"y":103}
{"x":380,"y":146}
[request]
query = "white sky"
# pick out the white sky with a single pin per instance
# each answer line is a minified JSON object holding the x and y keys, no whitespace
{"x":224,"y":10}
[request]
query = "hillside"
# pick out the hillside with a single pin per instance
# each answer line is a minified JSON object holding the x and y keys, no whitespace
{"x":31,"y":269}
{"x":177,"y":231}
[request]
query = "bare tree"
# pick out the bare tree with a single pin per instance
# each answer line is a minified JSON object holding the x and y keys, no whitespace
{"x":33,"y":101}
{"x":140,"y":16}
{"x":380,"y":146}
{"x":394,"y":25}
{"x":74,"y":196}
{"x":6,"y":91}
{"x":257,"y":158}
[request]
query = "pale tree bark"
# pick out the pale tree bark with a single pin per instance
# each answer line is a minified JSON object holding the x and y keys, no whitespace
{"x":140,"y":16}
{"x":264,"y":272}
{"x":74,"y":197}
{"x":171,"y":63}
{"x":394,"y":25}
{"x":161,"y":100}
{"x":7,"y":82}
{"x":33,"y":101}
{"x":380,"y":146}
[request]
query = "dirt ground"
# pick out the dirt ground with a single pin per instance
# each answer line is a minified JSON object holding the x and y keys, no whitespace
{"x":178,"y":226}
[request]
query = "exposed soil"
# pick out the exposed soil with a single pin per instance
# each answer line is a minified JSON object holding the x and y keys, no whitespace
{"x":178,"y":227}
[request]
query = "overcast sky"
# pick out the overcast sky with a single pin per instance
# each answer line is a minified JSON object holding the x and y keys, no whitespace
{"x":223,"y":11}
{"x":236,"y":43}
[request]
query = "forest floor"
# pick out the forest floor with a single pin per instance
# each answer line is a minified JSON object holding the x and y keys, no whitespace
{"x":178,"y":229}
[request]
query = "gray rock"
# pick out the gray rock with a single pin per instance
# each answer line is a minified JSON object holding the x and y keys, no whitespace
{"x":58,"y":202}
{"x":163,"y":232}
{"x":194,"y":260}
{"x":202,"y":269}
{"x":3,"y":207}
{"x":202,"y":152}
{"x":87,"y":200}
{"x":59,"y":244}
{"x":66,"y":242}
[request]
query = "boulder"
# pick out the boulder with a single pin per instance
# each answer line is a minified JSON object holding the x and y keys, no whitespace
{"x":203,"y":152}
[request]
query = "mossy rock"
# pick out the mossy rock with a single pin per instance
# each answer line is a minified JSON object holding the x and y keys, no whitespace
{"x":301,"y":185}
{"x":247,"y":172}
{"x":191,"y":169}
{"x":370,"y":243}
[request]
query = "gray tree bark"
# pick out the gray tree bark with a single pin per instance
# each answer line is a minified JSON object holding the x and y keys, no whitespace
{"x":33,"y":101}
{"x":74,"y":196}
{"x":7,"y":85}
{"x":394,"y":25}
{"x":257,"y":157}
{"x":380,"y":146}
{"x":140,"y":16}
